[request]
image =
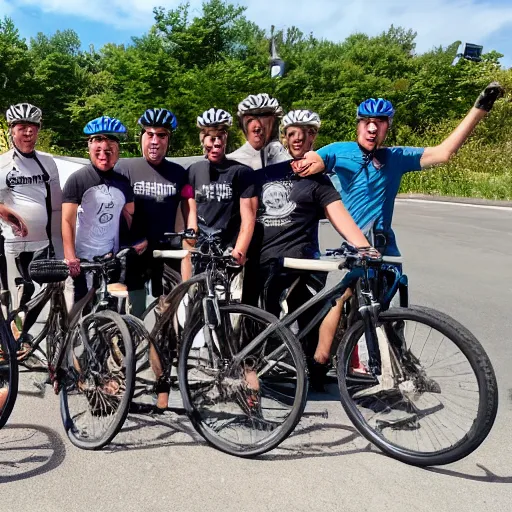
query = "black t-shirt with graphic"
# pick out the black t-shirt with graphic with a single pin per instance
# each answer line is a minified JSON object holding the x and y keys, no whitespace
{"x":101,"y":196}
{"x":158,"y":191}
{"x":289,"y":211}
{"x":218,"y":190}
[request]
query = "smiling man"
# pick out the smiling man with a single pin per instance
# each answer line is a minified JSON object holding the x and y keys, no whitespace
{"x":368,"y":175}
{"x":30,"y":188}
{"x":94,"y":198}
{"x":160,"y":188}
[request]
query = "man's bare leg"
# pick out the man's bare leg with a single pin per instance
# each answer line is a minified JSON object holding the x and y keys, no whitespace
{"x":162,"y":401}
{"x":328,"y":328}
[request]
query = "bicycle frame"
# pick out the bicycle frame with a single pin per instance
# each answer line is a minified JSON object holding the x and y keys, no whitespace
{"x":365,"y":281}
{"x":53,"y":293}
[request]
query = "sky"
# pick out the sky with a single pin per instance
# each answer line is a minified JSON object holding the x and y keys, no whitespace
{"x":437,"y":22}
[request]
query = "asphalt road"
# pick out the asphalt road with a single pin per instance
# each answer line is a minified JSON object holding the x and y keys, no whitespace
{"x":458,"y":260}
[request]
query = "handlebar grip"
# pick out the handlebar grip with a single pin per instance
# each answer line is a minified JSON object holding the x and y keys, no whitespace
{"x":315,"y":265}
{"x":176,"y":254}
{"x":48,"y":271}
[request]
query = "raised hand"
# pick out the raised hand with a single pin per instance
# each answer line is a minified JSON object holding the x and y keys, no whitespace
{"x":489,"y":95}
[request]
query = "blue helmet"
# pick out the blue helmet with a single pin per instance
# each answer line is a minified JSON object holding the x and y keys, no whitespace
{"x":376,"y":108}
{"x":159,"y":118}
{"x":105,"y":125}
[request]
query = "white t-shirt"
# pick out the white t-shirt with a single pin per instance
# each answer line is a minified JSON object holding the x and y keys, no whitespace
{"x":23,"y":189}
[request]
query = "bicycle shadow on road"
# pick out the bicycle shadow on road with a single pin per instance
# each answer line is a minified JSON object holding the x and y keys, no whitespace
{"x":320,"y":440}
{"x":336,"y":439}
{"x":487,"y":477}
{"x":147,"y":432}
{"x":29,"y":450}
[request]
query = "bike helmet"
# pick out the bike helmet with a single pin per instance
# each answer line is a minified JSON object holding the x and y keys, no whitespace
{"x":105,"y":125}
{"x":213,"y":118}
{"x":259,"y":104}
{"x":23,"y":113}
{"x":301,"y":118}
{"x":375,"y":108}
{"x":158,"y":118}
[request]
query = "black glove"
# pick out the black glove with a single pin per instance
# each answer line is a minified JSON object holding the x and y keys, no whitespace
{"x":488,"y":96}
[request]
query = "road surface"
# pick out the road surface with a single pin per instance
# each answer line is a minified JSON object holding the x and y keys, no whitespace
{"x":458,"y":260}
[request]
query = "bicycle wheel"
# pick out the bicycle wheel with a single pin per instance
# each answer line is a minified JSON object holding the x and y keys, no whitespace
{"x":436,"y":399}
{"x":243,"y":402}
{"x":8,"y":372}
{"x":98,"y":385}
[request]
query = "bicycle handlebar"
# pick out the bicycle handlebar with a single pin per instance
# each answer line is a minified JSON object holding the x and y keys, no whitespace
{"x":348,"y":257}
{"x":173,"y":254}
{"x":314,"y":265}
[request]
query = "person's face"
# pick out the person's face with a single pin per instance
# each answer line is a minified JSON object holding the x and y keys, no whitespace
{"x":259,"y":130}
{"x":299,"y":140}
{"x":214,"y":145}
{"x":24,"y":136}
{"x":155,"y":142}
{"x":103,"y":152}
{"x":371,"y":132}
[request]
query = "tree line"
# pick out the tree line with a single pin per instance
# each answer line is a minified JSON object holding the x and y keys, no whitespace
{"x":218,"y":57}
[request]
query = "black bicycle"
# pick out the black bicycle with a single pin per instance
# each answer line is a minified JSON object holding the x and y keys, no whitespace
{"x":8,"y":371}
{"x":89,"y":357}
{"x":242,"y":376}
{"x":414,"y":381}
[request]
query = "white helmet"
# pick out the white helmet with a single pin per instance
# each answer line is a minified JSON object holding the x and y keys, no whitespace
{"x":259,"y":104}
{"x":214,"y":117}
{"x":301,"y":118}
{"x":23,"y":113}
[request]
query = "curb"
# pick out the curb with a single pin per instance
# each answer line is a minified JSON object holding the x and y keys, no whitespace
{"x":461,"y":200}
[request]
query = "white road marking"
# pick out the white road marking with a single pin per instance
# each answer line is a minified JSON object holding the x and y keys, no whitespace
{"x":428,"y":201}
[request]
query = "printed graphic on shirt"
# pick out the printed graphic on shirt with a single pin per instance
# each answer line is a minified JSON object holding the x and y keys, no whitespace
{"x":97,"y":232}
{"x":16,"y":178}
{"x":159,"y":191}
{"x":275,"y":199}
{"x":215,"y":192}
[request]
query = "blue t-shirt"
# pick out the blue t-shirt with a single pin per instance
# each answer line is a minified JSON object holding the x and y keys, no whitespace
{"x":368,"y":188}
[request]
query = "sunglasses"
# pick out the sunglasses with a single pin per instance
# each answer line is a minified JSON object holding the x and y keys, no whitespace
{"x":96,"y":139}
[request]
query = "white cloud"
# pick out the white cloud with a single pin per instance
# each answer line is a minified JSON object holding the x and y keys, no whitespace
{"x":436,"y":21}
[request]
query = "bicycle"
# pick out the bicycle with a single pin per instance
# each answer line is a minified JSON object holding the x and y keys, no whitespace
{"x":243,"y":380}
{"x":428,"y":408}
{"x":8,"y":371}
{"x":89,"y":357}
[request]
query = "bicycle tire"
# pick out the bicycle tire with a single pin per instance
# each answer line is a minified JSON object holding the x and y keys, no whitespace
{"x":476,"y":358}
{"x":98,"y":402}
{"x":298,"y":400}
{"x":8,"y":372}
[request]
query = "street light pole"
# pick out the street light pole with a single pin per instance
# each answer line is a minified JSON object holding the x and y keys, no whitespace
{"x":276,"y":63}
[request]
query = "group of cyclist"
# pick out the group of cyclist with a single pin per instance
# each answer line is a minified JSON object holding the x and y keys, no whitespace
{"x":266,"y":198}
